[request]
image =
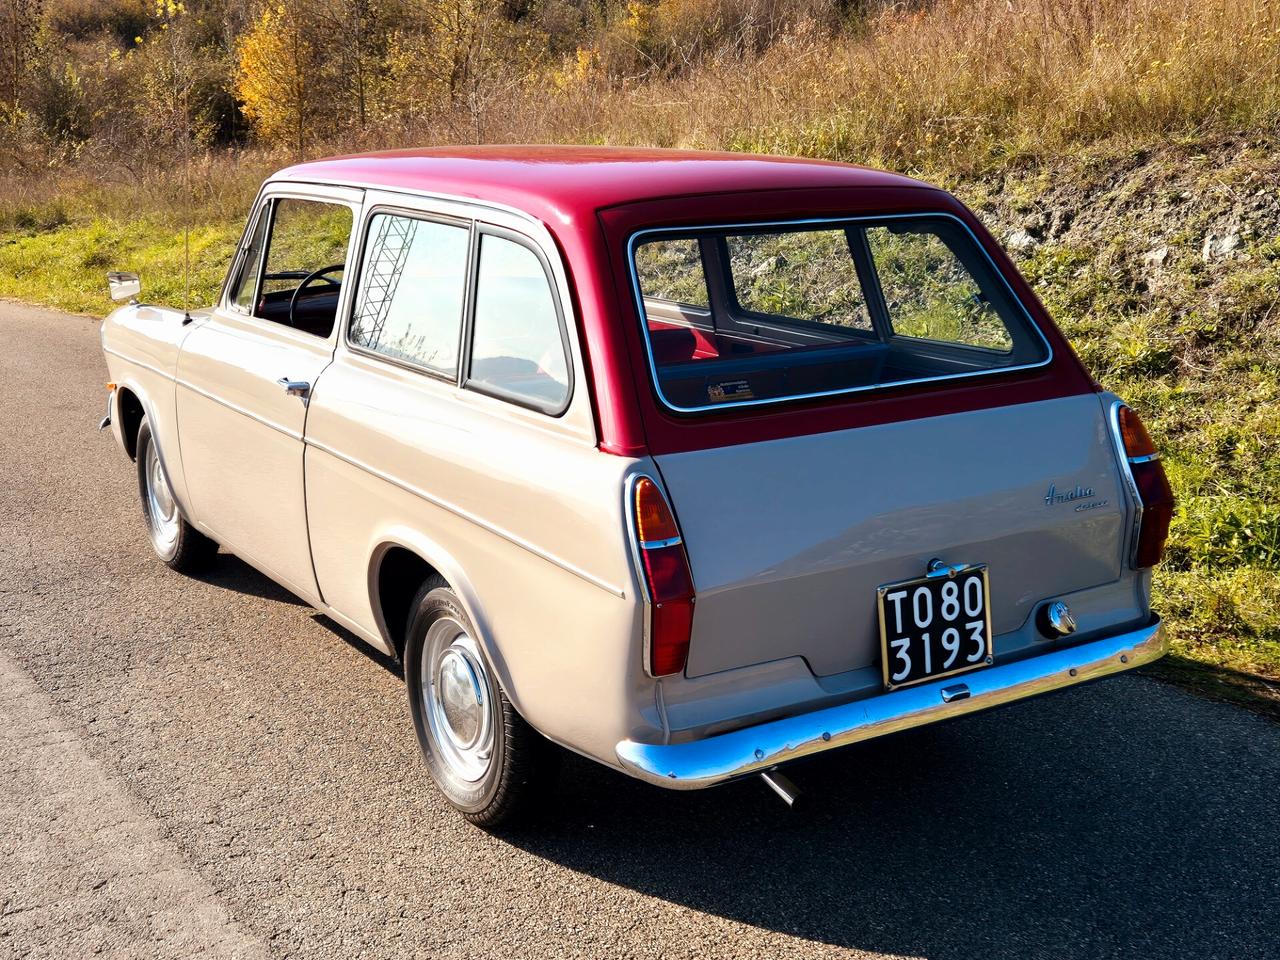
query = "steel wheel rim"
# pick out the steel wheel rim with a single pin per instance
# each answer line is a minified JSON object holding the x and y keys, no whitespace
{"x":162,"y":509}
{"x":457,"y":700}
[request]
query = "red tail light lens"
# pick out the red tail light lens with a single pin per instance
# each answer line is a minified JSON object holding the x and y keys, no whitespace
{"x":1155,"y":496}
{"x":668,"y":580}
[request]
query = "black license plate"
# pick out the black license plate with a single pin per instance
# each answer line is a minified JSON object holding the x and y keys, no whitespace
{"x":935,"y":626}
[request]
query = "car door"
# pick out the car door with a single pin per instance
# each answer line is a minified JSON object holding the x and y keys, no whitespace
{"x":246,"y":374}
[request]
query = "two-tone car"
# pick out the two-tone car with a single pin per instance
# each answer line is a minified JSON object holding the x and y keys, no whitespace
{"x":691,"y":463}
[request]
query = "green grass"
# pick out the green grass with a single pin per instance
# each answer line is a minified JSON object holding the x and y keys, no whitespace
{"x":66,"y":266}
{"x":1194,"y":346}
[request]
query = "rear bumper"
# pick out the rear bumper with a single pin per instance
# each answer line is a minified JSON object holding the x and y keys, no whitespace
{"x":704,"y":763}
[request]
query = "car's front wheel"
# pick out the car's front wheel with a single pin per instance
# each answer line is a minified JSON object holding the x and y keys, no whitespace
{"x":488,"y":762}
{"x":176,"y":542}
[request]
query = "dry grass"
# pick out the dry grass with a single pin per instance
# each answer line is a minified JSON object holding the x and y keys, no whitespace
{"x":959,"y":86}
{"x":952,"y":88}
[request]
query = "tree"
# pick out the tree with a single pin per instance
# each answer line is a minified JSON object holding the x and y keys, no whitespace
{"x":350,"y":28}
{"x":278,"y":75}
{"x":452,"y":60}
{"x":19,"y":25}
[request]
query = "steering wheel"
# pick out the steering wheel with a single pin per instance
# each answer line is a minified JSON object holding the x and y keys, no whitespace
{"x":311,"y":278}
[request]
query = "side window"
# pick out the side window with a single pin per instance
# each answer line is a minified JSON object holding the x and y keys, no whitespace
{"x":929,"y":293}
{"x":517,"y":348}
{"x":412,"y":284}
{"x":306,"y":257}
{"x":246,"y":284}
{"x":804,"y":275}
{"x":672,"y":270}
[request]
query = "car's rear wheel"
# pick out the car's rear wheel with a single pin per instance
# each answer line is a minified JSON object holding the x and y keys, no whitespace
{"x":176,"y":542}
{"x":488,"y":762}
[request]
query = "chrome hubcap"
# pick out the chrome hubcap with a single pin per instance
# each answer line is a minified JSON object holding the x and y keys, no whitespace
{"x":457,"y":700}
{"x":162,"y":510}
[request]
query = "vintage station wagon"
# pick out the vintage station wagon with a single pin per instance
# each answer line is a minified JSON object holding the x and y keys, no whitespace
{"x":692,"y":463}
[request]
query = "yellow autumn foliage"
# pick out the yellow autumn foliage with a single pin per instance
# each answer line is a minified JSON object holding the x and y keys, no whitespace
{"x":274,"y":67}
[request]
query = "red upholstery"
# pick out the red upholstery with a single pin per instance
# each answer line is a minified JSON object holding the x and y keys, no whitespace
{"x":672,"y":344}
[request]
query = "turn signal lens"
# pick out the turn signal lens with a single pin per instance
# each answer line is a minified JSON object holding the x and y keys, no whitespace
{"x":668,"y":581}
{"x":654,"y":521}
{"x":1137,"y":442}
{"x":1155,"y":496}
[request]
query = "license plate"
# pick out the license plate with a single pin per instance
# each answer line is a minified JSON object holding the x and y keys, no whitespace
{"x":934,"y":626}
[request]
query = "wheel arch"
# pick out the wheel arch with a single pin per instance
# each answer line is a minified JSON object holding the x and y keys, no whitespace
{"x":129,"y":411}
{"x":131,"y":394}
{"x":402,"y":551}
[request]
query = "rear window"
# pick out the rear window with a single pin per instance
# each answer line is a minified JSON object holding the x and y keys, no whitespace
{"x":751,"y":315}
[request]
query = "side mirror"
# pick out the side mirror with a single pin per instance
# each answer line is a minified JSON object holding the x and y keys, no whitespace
{"x":124,"y":286}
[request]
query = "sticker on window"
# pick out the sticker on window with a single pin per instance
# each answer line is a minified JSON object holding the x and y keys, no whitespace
{"x":729,"y":390}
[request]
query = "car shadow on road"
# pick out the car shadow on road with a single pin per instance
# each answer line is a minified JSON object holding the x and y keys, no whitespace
{"x":390,"y":664}
{"x":1122,"y":819}
{"x":229,"y":572}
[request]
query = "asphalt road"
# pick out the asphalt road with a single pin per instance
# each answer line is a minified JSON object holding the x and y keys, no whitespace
{"x":209,"y":767}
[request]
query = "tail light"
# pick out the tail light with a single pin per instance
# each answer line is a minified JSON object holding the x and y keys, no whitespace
{"x":1149,"y":484}
{"x":668,"y":580}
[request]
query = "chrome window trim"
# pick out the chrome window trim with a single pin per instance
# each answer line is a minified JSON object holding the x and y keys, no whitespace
{"x":1126,"y":471}
{"x":574,"y":420}
{"x":684,"y":307}
{"x":370,"y":186}
{"x":258,"y":213}
{"x":636,"y":236}
{"x":468,"y":217}
{"x":268,"y":193}
{"x":256,"y":210}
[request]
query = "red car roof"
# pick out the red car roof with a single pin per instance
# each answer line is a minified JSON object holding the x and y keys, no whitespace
{"x":557,"y":183}
{"x":592,"y":198}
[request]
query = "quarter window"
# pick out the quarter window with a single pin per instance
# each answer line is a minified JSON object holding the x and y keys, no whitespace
{"x":412,"y":288}
{"x":247,"y":283}
{"x":517,"y":343}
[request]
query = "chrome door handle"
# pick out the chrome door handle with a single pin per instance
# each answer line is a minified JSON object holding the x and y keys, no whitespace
{"x":295,"y":388}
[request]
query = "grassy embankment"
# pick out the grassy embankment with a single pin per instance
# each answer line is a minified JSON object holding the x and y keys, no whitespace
{"x":1125,"y":150}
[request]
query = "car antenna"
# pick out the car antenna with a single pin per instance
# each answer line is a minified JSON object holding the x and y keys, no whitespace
{"x":186,"y":216}
{"x":188,"y":202}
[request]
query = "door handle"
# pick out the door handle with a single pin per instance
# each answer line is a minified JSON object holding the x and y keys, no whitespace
{"x":295,"y":388}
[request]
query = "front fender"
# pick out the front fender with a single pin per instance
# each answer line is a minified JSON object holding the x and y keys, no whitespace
{"x":141,"y":345}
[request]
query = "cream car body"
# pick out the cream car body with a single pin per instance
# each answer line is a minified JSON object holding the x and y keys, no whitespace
{"x":350,"y":476}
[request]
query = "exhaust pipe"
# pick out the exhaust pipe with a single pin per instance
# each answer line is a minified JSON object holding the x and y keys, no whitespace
{"x":780,"y":784}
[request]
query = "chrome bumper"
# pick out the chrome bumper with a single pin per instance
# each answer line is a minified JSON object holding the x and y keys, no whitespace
{"x":704,"y":763}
